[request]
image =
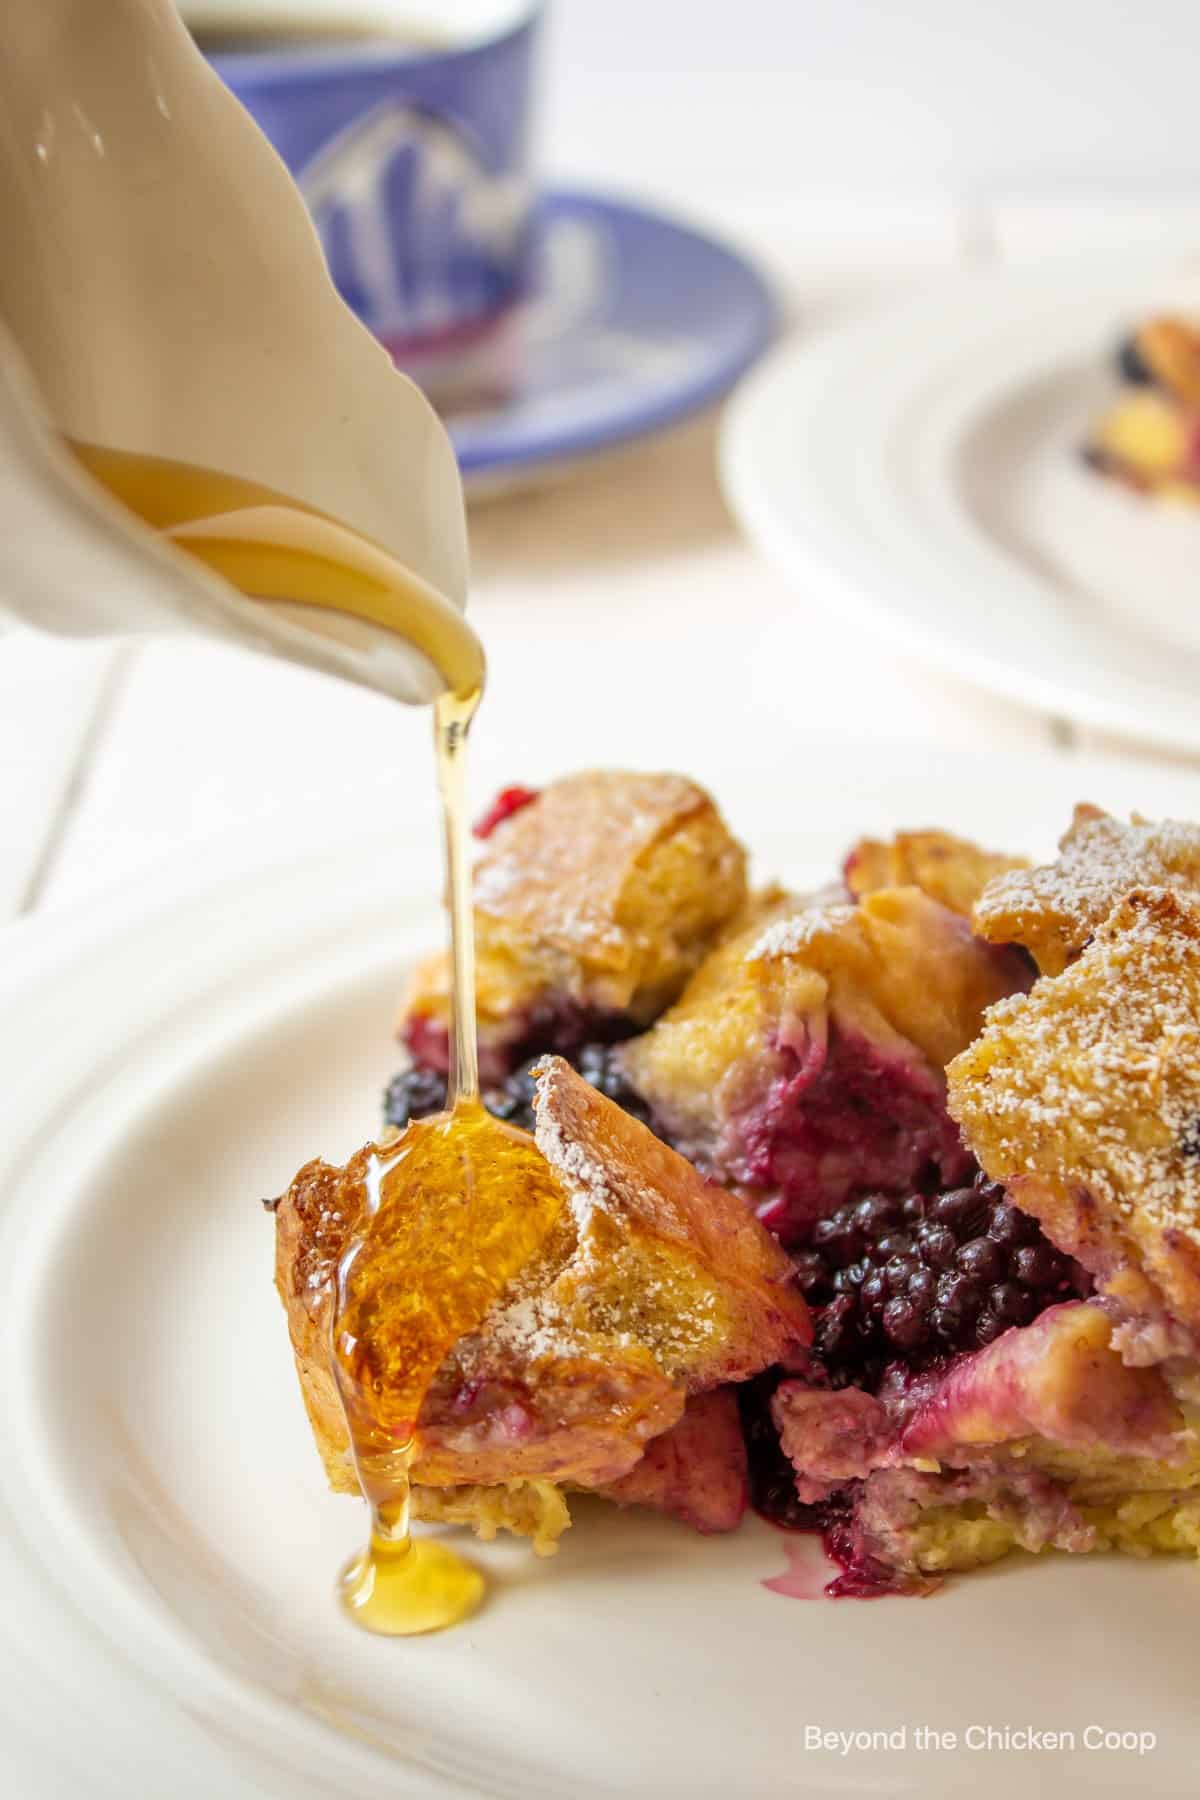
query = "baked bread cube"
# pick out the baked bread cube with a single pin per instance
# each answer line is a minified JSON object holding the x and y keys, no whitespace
{"x":594,"y":903}
{"x":949,"y":869}
{"x":1053,"y":911}
{"x":804,"y":1062}
{"x":1083,"y":1098}
{"x":648,"y":1287}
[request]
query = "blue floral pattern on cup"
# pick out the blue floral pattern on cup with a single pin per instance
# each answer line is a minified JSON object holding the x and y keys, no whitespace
{"x":415,"y":166}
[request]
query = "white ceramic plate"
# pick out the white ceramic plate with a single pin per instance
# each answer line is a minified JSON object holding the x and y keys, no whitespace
{"x":167,"y":1545}
{"x":925,"y":459}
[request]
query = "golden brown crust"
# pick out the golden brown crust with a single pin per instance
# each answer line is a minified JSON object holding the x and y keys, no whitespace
{"x":947,"y":868}
{"x":684,"y":1267}
{"x":1053,"y":911}
{"x":898,"y":967}
{"x":313,"y":1221}
{"x":654,"y":1285}
{"x":1170,"y":349}
{"x":901,"y":956}
{"x":1083,"y":1097}
{"x":569,"y":870}
{"x":605,"y":892}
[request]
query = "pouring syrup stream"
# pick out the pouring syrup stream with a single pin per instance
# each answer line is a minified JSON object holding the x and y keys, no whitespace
{"x":273,"y":549}
{"x":401,"y":1585}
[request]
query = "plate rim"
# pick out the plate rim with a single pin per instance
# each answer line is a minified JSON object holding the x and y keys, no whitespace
{"x":813,"y":528}
{"x":230,"y":1714}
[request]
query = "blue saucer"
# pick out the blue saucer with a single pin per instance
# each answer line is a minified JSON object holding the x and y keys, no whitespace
{"x":636,"y":321}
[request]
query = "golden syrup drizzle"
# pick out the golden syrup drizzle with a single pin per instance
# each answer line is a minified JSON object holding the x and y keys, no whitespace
{"x":450,"y":1216}
{"x":452,"y":1213}
{"x":272,"y":548}
{"x":452,"y":715}
{"x":462,"y":1201}
{"x":398,"y":1310}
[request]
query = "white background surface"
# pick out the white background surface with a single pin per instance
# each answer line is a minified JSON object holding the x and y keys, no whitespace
{"x":969,"y":94}
{"x":857,"y":147}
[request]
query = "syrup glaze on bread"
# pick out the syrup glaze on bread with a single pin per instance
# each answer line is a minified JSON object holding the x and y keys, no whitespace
{"x":649,"y":1287}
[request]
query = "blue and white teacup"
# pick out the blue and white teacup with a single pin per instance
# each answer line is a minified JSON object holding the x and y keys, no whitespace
{"x":407,"y":128}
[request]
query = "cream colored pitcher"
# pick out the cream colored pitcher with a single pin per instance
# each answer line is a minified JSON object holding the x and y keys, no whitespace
{"x":162,"y":291}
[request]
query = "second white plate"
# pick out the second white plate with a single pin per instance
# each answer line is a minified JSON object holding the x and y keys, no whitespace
{"x":925,"y":459}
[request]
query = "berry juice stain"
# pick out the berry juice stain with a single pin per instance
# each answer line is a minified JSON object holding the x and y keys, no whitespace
{"x":807,"y":1575}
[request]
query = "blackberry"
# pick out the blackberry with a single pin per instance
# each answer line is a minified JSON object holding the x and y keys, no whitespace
{"x":599,"y":1064}
{"x":982,"y":1259}
{"x":937,"y":1244}
{"x":921,"y":1279}
{"x":1010,"y":1304}
{"x":905,"y":1323}
{"x":838,"y":1238}
{"x":771,"y":1477}
{"x":1009,"y":1226}
{"x":876,"y":1215}
{"x":514,"y":1101}
{"x":1037,"y":1266}
{"x":1132,"y":365}
{"x":415,"y":1093}
{"x":965,"y":1210}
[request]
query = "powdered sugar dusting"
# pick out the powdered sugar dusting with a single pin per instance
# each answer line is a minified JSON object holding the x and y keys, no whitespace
{"x":583,"y":1175}
{"x":533,"y":1327}
{"x":792,"y":935}
{"x":1054,"y":910}
{"x":654,"y":1266}
{"x":1094,"y":1077}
